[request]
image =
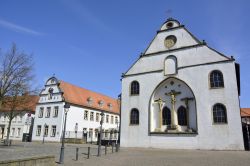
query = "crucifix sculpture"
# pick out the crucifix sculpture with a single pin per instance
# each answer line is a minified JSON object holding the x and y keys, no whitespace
{"x":186,"y":100}
{"x":173,"y":95}
{"x":160,"y":103}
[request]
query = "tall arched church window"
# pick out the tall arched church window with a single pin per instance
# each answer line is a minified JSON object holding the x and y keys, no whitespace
{"x":216,"y":79}
{"x":182,"y":116}
{"x":170,"y":65}
{"x":166,"y":116}
{"x":134,"y":116}
{"x":219,"y":113}
{"x":135,"y":88}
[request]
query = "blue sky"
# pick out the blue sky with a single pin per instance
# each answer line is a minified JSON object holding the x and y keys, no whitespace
{"x":90,"y":43}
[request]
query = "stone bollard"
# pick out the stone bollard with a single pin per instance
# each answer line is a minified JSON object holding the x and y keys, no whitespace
{"x":112,"y":147}
{"x":117,"y":147}
{"x":77,"y":150}
{"x":105,"y":149}
{"x":88,"y":152}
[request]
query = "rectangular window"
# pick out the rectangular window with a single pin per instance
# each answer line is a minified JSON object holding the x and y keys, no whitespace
{"x":86,"y":115}
{"x":38,"y":130}
{"x":40,"y":114}
{"x":107,"y":118}
{"x":18,"y":132}
{"x":112,"y":120}
{"x":46,"y":131}
{"x":14,"y":119}
{"x":116,"y":120}
{"x":92,"y":116}
{"x":48,"y":112}
{"x":55,"y":111}
{"x":106,"y":133}
{"x":13,"y":132}
{"x":90,"y":133}
{"x":97,"y":117}
{"x":96,"y":133}
{"x":53,"y":131}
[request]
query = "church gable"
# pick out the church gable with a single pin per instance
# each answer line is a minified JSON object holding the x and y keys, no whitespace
{"x":171,"y":36}
{"x":175,"y":42}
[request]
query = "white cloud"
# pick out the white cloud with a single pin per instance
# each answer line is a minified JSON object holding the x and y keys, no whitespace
{"x":18,"y":28}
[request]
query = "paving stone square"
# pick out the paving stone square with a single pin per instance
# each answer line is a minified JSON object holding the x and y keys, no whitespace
{"x":126,"y":156}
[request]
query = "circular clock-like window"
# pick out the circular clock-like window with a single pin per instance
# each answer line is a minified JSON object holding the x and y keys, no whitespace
{"x":170,"y":41}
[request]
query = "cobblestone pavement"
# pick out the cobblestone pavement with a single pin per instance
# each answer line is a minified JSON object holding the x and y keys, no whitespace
{"x":127,"y":156}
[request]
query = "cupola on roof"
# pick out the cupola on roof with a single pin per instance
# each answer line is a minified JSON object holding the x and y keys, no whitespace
{"x":170,"y":23}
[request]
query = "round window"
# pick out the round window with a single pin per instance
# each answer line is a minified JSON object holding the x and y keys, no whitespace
{"x":170,"y":41}
{"x":169,"y":25}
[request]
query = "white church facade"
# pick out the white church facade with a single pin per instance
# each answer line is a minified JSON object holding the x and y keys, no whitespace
{"x":83,"y":116}
{"x":181,"y":94}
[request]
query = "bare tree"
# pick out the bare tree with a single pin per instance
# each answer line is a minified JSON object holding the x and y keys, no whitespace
{"x":16,"y":76}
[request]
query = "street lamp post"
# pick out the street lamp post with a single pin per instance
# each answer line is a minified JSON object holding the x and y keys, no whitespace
{"x":44,"y":132}
{"x":66,"y":109}
{"x":100,"y":139}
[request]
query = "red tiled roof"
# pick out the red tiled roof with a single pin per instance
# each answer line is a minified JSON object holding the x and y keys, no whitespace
{"x":244,"y":112}
{"x":79,"y":96}
{"x":24,"y":103}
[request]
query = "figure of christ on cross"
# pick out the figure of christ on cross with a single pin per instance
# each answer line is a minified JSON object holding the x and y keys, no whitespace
{"x":173,"y":95}
{"x":186,"y":100}
{"x":160,"y":103}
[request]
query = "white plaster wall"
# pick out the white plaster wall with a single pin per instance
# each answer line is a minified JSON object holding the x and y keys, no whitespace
{"x":76,"y":115}
{"x":16,"y":123}
{"x":183,"y":39}
{"x":210,"y":136}
{"x":191,"y":56}
{"x":58,"y":121}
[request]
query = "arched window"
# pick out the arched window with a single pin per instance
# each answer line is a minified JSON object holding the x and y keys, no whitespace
{"x":135,"y":88}
{"x":134,"y":116}
{"x":170,"y":65}
{"x":219,"y":113}
{"x":166,"y":116}
{"x":216,"y":79}
{"x":182,"y":116}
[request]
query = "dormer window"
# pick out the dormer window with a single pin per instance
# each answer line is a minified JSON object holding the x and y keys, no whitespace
{"x":50,"y":93}
{"x":101,"y":103}
{"x":110,"y":106}
{"x":90,"y":100}
{"x":52,"y":81}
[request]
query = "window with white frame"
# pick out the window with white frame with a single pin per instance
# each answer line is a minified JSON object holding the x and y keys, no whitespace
{"x":90,"y":133}
{"x":96,"y":133}
{"x":46,"y":131}
{"x":12,"y":132}
{"x":40,"y":114}
{"x":18,"y":132}
{"x":116,"y":119}
{"x":107,"y":118}
{"x":38,"y":130}
{"x":48,"y":112}
{"x":55,"y":111}
{"x":97,"y":117}
{"x":53,"y":131}
{"x":92,"y":116}
{"x":112,"y":119}
{"x":86,"y":115}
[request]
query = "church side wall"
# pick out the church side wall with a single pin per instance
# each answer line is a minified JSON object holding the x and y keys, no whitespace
{"x":210,"y":136}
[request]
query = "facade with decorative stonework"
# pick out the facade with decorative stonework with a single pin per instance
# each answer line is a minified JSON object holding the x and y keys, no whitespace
{"x":83,"y":117}
{"x":181,"y":94}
